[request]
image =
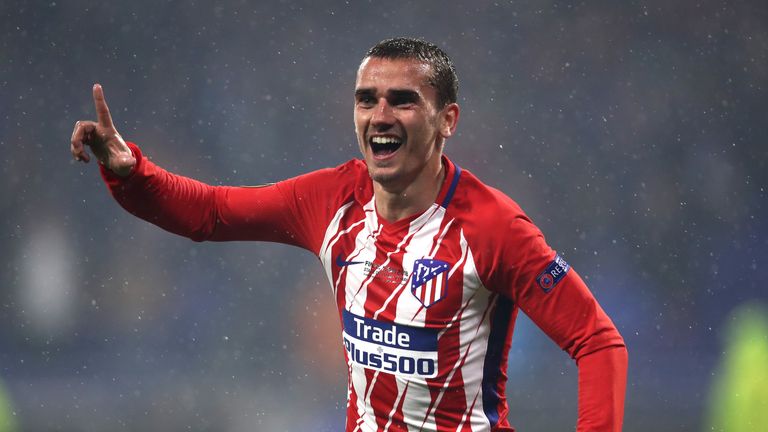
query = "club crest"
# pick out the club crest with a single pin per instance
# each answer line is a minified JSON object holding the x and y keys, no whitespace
{"x":429,"y":280}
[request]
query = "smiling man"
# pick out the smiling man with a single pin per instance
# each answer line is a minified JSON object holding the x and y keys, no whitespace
{"x":426,"y":291}
{"x":401,"y":125}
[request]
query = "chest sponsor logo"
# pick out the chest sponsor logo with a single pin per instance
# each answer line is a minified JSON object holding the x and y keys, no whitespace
{"x":554,"y":272}
{"x":429,"y":281}
{"x":394,"y":348}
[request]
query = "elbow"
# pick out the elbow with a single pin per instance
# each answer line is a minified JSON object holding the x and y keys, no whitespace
{"x":607,"y":338}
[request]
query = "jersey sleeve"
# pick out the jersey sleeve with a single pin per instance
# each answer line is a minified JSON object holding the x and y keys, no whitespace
{"x":292,"y":211}
{"x":525,"y":269}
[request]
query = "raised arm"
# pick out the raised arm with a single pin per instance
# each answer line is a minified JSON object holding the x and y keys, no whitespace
{"x":284,"y":212}
{"x":201,"y":212}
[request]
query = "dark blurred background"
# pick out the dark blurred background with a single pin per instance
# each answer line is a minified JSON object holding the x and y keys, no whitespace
{"x":633,"y":133}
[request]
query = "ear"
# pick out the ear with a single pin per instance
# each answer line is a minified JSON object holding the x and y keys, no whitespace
{"x":449,"y":118}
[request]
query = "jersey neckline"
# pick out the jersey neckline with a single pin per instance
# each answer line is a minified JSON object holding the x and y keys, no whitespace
{"x":443,"y":199}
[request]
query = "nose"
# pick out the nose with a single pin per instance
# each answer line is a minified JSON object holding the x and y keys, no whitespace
{"x":382,"y":117}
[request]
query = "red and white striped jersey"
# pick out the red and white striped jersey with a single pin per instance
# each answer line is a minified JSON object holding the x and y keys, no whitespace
{"x":427,"y":304}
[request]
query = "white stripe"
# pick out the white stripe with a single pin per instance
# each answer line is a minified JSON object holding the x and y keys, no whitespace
{"x":463,"y":356}
{"x":383,"y":266}
{"x":473,"y":326}
{"x":358,"y":423}
{"x":370,"y":416}
{"x":331,"y":235}
{"x":366,"y":421}
{"x":459,"y":264}
{"x":472,"y":407}
{"x":411,"y":312}
{"x":402,"y":387}
{"x":329,"y":270}
{"x":413,"y":229}
{"x":360,"y":245}
{"x":440,"y":239}
{"x":333,"y":226}
{"x":355,"y":291}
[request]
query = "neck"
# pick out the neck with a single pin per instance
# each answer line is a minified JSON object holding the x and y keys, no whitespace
{"x":397,"y":202}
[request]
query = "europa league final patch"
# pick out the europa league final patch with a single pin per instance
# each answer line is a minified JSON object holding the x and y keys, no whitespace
{"x":554,"y":272}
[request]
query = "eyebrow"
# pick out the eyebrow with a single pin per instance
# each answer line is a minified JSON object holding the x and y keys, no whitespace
{"x":396,"y":93}
{"x":405,"y":94}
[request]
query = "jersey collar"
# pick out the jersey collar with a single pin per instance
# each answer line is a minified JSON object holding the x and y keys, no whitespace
{"x":364,"y":190}
{"x":451,"y":181}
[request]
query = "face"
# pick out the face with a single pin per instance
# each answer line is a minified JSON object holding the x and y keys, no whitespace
{"x":399,"y":128}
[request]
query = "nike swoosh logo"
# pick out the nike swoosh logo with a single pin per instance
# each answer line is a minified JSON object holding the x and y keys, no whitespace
{"x":341,"y":263}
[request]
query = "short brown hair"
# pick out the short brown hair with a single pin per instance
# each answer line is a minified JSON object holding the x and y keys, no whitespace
{"x":443,"y":78}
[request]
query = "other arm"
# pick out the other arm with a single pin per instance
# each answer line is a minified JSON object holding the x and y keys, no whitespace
{"x":553,"y":295}
{"x":570,"y":315}
{"x":602,"y":385}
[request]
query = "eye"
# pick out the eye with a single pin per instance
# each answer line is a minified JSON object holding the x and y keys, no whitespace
{"x":365,"y":98}
{"x":366,"y":101}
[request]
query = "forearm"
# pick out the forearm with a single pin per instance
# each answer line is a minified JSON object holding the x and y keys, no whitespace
{"x":199,"y":211}
{"x":177,"y":204}
{"x":602,"y":386}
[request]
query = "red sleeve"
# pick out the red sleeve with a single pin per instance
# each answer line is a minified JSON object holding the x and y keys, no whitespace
{"x":602,"y":385}
{"x":292,"y":211}
{"x":561,"y":305}
{"x":525,"y":269}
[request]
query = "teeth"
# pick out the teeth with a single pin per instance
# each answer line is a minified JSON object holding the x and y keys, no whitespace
{"x":385,"y":140}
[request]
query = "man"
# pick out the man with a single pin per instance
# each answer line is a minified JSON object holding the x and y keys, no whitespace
{"x":428,"y":265}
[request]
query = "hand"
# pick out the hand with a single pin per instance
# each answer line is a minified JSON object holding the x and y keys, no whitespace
{"x":102,"y":137}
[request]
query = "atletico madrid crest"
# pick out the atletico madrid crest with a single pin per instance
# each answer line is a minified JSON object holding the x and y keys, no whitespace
{"x":429,"y":280}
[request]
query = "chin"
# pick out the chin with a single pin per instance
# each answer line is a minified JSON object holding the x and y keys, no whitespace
{"x":383,"y":176}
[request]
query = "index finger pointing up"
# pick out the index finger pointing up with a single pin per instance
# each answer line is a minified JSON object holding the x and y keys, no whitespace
{"x":102,"y":111}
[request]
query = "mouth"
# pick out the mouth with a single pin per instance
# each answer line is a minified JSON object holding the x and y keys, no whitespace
{"x":384,"y":146}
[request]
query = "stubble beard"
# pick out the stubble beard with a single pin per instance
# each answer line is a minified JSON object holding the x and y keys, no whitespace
{"x":384,"y":179}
